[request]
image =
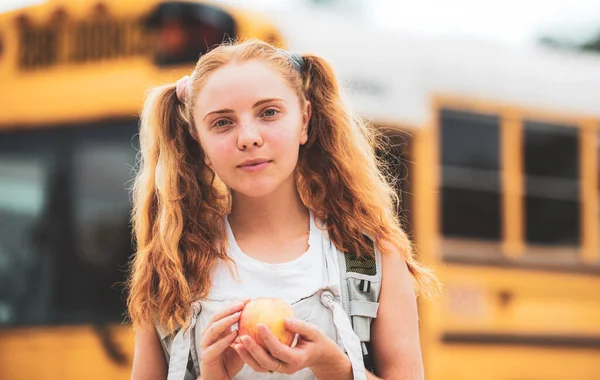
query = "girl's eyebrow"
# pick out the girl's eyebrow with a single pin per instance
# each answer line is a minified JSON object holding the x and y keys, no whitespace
{"x":267,"y":100}
{"x":222,"y":111}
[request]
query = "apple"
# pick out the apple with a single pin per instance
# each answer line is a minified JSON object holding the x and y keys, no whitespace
{"x":270,"y":312}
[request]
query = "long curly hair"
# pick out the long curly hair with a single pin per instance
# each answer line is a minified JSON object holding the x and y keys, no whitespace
{"x":179,"y":203}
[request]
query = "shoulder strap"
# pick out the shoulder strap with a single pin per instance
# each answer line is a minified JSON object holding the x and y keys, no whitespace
{"x":360,"y":285}
{"x":167,"y":338}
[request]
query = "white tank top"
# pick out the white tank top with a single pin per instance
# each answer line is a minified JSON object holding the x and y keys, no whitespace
{"x":310,"y":283}
{"x":291,"y":281}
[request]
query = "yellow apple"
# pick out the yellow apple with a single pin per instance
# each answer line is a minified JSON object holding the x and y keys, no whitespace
{"x":270,"y":312}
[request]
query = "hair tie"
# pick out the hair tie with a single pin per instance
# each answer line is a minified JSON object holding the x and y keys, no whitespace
{"x":295,"y":59}
{"x":182,"y":88}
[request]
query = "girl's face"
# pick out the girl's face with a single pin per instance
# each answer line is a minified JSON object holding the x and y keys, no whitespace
{"x":251,"y":127}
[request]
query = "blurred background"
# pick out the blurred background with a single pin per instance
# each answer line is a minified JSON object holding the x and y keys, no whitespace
{"x":492,"y":109}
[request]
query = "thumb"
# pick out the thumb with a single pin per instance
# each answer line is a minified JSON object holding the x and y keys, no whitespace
{"x":306,"y":330}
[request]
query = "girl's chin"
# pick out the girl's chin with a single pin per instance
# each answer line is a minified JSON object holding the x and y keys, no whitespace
{"x":256,"y":191}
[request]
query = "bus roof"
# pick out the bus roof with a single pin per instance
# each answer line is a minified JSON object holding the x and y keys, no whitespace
{"x":75,"y":61}
{"x":390,"y":77}
{"x":393,"y":78}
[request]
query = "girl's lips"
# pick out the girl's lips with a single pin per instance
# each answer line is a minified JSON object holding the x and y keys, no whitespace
{"x":255,"y":167}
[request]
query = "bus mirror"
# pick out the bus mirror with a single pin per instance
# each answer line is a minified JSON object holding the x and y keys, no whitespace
{"x":182,"y":31}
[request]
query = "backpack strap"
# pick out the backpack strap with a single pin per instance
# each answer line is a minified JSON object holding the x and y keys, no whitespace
{"x":360,"y":287}
{"x":168,"y":339}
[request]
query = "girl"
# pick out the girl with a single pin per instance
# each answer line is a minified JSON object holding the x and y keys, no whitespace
{"x":253,"y":175}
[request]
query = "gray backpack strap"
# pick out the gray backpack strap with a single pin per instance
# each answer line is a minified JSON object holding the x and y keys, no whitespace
{"x":166,"y":341}
{"x":360,"y":288}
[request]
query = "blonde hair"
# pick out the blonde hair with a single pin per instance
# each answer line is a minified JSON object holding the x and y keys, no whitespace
{"x":179,"y":203}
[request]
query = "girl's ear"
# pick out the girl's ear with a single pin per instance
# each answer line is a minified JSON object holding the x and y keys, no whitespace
{"x":306,"y":115}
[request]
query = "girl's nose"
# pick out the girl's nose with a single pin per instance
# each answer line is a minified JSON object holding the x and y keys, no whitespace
{"x":249,"y":136}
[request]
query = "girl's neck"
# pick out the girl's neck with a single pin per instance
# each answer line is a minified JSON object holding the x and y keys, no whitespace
{"x":278,"y":215}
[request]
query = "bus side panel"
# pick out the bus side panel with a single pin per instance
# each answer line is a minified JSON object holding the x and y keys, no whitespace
{"x":73,"y":352}
{"x":477,"y":362}
{"x":494,"y":300}
{"x":501,"y":323}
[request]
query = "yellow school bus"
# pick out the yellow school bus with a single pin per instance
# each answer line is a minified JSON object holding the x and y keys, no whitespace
{"x":73,"y":75}
{"x":497,"y":149}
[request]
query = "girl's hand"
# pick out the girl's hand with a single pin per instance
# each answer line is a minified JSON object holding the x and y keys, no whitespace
{"x":314,"y":349}
{"x":219,"y":360}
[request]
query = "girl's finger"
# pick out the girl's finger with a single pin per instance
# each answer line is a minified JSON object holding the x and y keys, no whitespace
{"x":213,"y":332}
{"x":235,"y":307}
{"x":221,"y":345}
{"x":275,"y":347}
{"x":259,"y":354}
{"x":247,"y":358}
{"x":306,"y":330}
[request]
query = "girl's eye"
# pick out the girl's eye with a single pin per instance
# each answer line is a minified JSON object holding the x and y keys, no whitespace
{"x":270,"y":112}
{"x":221,"y":123}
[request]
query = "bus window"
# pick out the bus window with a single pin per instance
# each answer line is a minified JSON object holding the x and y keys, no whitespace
{"x":551,"y":165}
{"x":102,"y":162}
{"x":183,"y":30}
{"x":64,"y":224}
{"x":470,"y":183}
{"x":29,"y":239}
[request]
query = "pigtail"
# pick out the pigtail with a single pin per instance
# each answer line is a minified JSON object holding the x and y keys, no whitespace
{"x":172,"y":189}
{"x":342,"y":178}
{"x":337,"y":147}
